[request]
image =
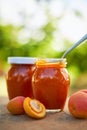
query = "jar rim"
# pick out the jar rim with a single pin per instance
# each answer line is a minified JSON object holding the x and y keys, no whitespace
{"x":22,"y":60}
{"x":51,"y":62}
{"x":56,"y":60}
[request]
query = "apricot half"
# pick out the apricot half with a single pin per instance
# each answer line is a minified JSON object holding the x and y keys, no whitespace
{"x":34,"y":108}
{"x":77,"y":104}
{"x":15,"y":105}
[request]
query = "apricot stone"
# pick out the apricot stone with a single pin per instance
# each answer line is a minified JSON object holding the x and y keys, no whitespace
{"x":15,"y":105}
{"x":77,"y":104}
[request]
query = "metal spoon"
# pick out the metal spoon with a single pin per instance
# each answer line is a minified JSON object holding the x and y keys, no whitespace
{"x":75,"y":45}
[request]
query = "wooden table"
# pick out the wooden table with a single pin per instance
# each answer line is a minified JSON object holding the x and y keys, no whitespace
{"x":52,"y":121}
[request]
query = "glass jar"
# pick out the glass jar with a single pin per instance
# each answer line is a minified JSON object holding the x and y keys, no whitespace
{"x":19,"y":76}
{"x":50,"y":83}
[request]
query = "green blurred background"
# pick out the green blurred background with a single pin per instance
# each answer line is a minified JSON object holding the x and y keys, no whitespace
{"x":44,"y":28}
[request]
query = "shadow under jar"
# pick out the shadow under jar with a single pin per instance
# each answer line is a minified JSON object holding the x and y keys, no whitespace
{"x":19,"y":76}
{"x":50,"y":83}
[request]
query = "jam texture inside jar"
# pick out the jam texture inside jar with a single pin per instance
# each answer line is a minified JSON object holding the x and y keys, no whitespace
{"x":50,"y":83}
{"x":19,"y":77}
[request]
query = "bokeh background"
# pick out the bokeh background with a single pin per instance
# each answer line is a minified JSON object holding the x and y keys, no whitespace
{"x":44,"y":28}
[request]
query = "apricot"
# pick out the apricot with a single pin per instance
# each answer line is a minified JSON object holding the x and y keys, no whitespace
{"x":15,"y":105}
{"x":34,"y":108}
{"x":77,"y":104}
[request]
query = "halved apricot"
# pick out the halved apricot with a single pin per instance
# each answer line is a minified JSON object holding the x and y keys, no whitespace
{"x":34,"y":108}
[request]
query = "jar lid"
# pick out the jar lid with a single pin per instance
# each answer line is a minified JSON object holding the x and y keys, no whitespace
{"x":22,"y":60}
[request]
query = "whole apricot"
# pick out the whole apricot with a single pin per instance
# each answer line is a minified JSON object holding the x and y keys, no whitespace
{"x":77,"y":104}
{"x":15,"y":105}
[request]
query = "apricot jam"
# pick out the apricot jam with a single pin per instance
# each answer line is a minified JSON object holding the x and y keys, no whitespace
{"x":50,"y":83}
{"x":19,"y":77}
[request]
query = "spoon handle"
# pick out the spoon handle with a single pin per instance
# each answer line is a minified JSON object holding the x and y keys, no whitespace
{"x":75,"y":45}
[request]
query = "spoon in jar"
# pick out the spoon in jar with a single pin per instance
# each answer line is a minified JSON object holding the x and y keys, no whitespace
{"x":68,"y":51}
{"x":75,"y":45}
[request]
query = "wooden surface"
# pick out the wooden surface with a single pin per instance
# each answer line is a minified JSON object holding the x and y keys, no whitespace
{"x":52,"y":121}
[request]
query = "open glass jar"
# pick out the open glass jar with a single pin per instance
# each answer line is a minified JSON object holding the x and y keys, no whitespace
{"x":50,"y":83}
{"x":19,"y":76}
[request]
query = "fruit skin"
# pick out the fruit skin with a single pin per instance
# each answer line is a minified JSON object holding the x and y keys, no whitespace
{"x":15,"y":105}
{"x":77,"y":104}
{"x":31,"y":112}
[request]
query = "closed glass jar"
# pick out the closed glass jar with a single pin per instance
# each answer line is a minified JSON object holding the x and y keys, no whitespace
{"x":50,"y":83}
{"x":19,"y":76}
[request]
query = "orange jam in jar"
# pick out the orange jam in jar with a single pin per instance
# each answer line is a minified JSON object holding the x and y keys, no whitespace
{"x":50,"y":83}
{"x":19,"y":76}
